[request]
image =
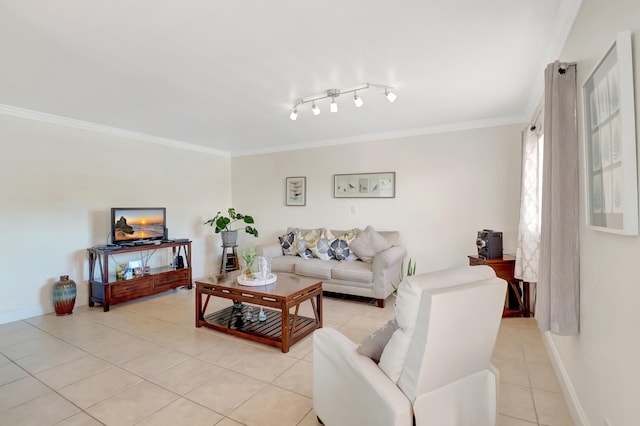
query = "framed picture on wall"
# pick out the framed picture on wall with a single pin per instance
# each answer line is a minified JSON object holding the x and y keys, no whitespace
{"x":365,"y":185}
{"x":296,"y":191}
{"x":610,"y":165}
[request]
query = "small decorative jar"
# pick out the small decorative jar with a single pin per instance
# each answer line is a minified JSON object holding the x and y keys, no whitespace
{"x":64,"y":295}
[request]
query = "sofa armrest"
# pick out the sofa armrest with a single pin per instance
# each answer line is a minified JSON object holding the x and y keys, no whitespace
{"x":350,"y":389}
{"x":269,"y":250}
{"x":389,"y":257}
{"x":387,"y":271}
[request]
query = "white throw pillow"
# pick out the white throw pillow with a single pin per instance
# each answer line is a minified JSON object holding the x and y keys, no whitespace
{"x":369,"y":243}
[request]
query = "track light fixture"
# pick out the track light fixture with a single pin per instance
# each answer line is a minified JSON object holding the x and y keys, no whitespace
{"x":357,"y":100}
{"x":390,"y":95}
{"x":334,"y":93}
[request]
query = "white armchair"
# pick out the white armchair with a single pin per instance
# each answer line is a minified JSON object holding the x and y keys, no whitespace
{"x":436,"y":366}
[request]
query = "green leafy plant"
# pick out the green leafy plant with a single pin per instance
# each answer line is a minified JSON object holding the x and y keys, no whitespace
{"x":223,"y":222}
{"x":411,"y":270}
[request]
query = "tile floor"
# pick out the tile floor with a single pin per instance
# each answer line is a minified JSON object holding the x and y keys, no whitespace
{"x":144,"y":363}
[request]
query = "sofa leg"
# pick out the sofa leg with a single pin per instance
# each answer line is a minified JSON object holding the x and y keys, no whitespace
{"x":319,"y":421}
{"x":381,"y":303}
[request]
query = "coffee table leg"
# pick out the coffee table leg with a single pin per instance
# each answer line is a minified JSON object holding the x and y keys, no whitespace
{"x":285,"y":329}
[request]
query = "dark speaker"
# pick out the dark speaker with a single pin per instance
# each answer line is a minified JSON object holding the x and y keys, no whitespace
{"x":165,"y":236}
{"x":489,"y":244}
{"x":179,"y":262}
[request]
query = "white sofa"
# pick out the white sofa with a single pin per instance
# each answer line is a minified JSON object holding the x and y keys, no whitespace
{"x":435,"y":369}
{"x":377,"y":279}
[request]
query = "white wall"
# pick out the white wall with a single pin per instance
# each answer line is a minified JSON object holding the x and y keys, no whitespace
{"x":57,"y":185}
{"x":601,"y":364}
{"x":448,"y":187}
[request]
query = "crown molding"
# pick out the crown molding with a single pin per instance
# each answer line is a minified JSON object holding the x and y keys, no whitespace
{"x":444,"y":128}
{"x":108,"y":130}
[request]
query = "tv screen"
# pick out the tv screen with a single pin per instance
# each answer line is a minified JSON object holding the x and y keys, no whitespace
{"x":137,"y":223}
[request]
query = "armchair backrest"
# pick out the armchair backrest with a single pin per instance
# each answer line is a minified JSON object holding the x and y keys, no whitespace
{"x":454,"y":336}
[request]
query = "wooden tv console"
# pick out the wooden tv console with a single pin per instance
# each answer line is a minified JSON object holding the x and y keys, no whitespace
{"x":108,"y":290}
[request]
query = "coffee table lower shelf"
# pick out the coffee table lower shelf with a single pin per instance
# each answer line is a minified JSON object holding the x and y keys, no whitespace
{"x":268,"y":332}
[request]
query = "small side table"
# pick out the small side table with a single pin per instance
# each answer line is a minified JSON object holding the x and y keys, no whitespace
{"x":229,"y":260}
{"x":505,"y":268}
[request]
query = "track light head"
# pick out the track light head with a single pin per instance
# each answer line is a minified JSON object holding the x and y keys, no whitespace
{"x":294,"y":114}
{"x":357,"y":100}
{"x":334,"y":106}
{"x":390,"y":95}
{"x":315,"y":109}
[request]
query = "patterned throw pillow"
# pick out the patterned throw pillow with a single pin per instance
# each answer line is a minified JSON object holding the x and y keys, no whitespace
{"x":301,"y":244}
{"x":339,"y":247}
{"x":288,"y":242}
{"x":320,"y":246}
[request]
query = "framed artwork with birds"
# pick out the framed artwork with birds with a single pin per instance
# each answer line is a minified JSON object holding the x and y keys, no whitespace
{"x":365,"y":185}
{"x":296,"y":191}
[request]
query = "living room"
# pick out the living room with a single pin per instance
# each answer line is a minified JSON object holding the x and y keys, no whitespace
{"x":60,"y":179}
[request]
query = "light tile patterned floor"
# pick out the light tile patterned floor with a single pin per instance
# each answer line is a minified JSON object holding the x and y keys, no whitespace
{"x":145,"y":363}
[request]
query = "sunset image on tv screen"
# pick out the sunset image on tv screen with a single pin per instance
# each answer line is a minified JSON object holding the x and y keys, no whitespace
{"x":138,"y":224}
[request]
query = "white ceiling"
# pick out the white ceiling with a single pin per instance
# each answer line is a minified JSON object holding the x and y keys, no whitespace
{"x":223,"y":76}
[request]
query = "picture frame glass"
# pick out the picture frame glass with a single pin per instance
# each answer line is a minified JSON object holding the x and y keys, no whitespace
{"x":296,"y":191}
{"x":364,"y":185}
{"x":610,"y":165}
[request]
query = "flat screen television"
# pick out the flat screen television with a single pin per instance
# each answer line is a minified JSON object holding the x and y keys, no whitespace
{"x":130,"y":224}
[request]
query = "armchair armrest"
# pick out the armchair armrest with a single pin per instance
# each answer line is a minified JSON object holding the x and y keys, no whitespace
{"x":269,"y":250}
{"x":350,"y":389}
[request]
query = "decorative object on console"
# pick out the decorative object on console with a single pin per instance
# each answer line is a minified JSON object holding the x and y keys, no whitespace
{"x":64,"y":295}
{"x":489,"y":244}
{"x":610,"y":142}
{"x":334,"y":93}
{"x":222,"y":225}
{"x":365,"y":185}
{"x":296,"y":191}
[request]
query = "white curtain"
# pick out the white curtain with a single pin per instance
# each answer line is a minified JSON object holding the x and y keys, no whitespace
{"x":528,"y":248}
{"x":558,"y":290}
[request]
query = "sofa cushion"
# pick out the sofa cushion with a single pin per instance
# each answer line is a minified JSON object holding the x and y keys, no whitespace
{"x":288,"y":242}
{"x":369,"y":243}
{"x":320,"y":246}
{"x":373,"y":345}
{"x":285,"y":263}
{"x":316,"y":268}
{"x":353,"y":271}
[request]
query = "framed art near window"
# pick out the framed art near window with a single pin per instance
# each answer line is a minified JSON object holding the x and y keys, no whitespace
{"x":296,"y":191}
{"x":365,"y":185}
{"x":610,"y":164}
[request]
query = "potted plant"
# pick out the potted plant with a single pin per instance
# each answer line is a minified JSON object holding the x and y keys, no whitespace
{"x":223,"y":225}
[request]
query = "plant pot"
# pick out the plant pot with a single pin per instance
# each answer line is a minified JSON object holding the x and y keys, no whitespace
{"x":229,"y":238}
{"x":64,"y":295}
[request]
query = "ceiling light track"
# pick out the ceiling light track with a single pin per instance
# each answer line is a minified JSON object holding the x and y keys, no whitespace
{"x":334,"y":93}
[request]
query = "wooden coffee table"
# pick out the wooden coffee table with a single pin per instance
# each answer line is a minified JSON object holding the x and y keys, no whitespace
{"x":281,"y":327}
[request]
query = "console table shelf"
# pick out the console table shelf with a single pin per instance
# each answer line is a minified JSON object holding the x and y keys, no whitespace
{"x":504,"y":268}
{"x":106,"y":289}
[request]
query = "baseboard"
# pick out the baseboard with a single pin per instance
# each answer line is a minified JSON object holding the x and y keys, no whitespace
{"x":575,"y":408}
{"x":21,"y":314}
